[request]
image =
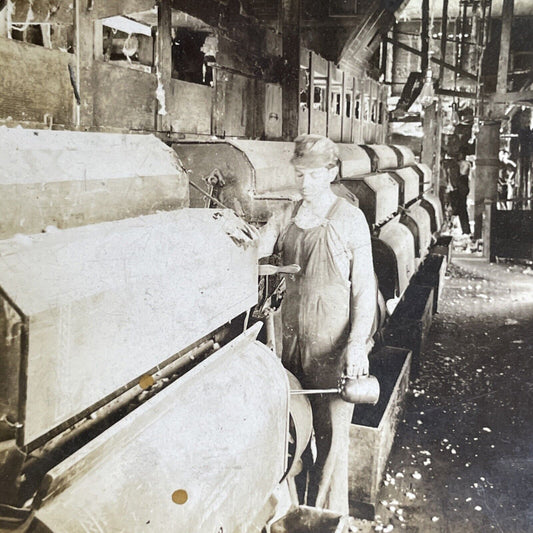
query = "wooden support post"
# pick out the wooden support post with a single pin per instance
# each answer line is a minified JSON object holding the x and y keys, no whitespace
{"x":355,"y":97}
{"x":444,"y":39}
{"x":390,"y":62}
{"x":84,"y":74}
{"x":462,"y":47}
{"x":431,"y":143}
{"x":384,"y":59}
{"x":343,"y":106}
{"x":505,"y":43}
{"x":425,"y":36}
{"x":328,"y":98}
{"x":290,"y":25}
{"x":311,"y":98}
{"x":487,"y":168}
{"x":163,"y":64}
{"x":98,"y":43}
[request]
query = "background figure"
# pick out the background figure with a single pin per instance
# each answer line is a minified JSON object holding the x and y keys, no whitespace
{"x":506,"y":179}
{"x":463,"y":188}
{"x":457,"y":173}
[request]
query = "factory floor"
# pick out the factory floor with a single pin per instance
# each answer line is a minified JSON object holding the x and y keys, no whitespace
{"x":462,"y":460}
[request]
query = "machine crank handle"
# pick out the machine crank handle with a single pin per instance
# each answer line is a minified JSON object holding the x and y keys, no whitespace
{"x":271,"y":270}
{"x":364,"y":389}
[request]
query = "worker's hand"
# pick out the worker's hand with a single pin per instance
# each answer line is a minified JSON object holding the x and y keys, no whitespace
{"x":355,"y":360}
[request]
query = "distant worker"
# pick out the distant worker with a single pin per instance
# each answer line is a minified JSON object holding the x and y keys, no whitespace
{"x":463,"y":188}
{"x":328,"y":308}
{"x":506,"y":177}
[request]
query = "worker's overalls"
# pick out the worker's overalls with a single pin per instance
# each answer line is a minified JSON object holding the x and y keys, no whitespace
{"x":316,"y":322}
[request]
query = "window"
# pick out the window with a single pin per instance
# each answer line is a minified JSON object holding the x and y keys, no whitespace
{"x":319,"y":100}
{"x":336,"y":103}
{"x":193,"y":56}
{"x":127,"y":42}
{"x":33,"y":26}
{"x":357,"y":107}
{"x":348,"y":105}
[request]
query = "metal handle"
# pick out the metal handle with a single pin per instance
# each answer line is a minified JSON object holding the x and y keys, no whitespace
{"x":271,"y":270}
{"x":315,"y":391}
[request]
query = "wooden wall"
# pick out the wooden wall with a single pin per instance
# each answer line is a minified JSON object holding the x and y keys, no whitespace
{"x":363,"y":115}
{"x":245,"y":100}
{"x":124,"y":98}
{"x":34,"y":81}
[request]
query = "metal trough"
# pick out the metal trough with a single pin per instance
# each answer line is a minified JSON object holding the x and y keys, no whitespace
{"x":409,"y":324}
{"x":373,"y":428}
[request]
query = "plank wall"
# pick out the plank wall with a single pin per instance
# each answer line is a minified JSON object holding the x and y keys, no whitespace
{"x":34,"y":81}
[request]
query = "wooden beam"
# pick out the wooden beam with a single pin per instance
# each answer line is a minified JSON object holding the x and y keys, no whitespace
{"x":311,"y":96}
{"x":444,"y":39}
{"x":508,"y":98}
{"x":505,"y":44}
{"x":290,"y":29}
{"x":164,"y":63}
{"x":355,"y":96}
{"x":343,"y":105}
{"x":437,"y":61}
{"x":84,"y":48}
{"x":328,"y":97}
{"x":458,"y":94}
{"x":462,"y":48}
{"x":425,"y":36}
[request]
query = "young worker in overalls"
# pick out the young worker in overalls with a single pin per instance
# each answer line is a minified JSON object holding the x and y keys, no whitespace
{"x":328,"y":308}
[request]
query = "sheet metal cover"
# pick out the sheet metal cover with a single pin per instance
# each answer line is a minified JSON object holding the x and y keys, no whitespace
{"x":68,"y":179}
{"x":385,"y":191}
{"x":271,"y":163}
{"x":427,"y":183}
{"x":387,"y":157}
{"x":218,"y":434}
{"x":354,"y":161}
{"x":408,"y":155}
{"x":106,"y":303}
{"x":401,"y":240}
{"x":423,"y":220}
{"x":437,"y":208}
{"x":411,"y":183}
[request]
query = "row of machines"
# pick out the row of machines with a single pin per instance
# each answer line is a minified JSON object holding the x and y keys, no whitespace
{"x":134,"y":397}
{"x":136,"y":394}
{"x":394,"y":192}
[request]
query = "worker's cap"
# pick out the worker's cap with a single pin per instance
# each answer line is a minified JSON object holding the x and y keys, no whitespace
{"x":314,"y":151}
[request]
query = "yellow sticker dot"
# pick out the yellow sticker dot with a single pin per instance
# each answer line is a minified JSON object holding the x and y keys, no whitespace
{"x":146,"y":381}
{"x":180,"y":496}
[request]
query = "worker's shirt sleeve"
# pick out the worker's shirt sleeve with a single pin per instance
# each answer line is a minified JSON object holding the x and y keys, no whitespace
{"x":363,"y":281}
{"x":271,"y":231}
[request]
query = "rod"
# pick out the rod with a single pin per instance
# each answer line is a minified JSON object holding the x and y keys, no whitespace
{"x":205,"y":193}
{"x":299,"y":392}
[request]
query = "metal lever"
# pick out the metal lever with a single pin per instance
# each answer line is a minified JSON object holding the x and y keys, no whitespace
{"x":271,"y":270}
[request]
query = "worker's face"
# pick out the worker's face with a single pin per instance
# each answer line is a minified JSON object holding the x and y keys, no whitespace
{"x":313,"y":182}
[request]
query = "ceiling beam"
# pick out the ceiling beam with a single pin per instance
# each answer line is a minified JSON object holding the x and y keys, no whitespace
{"x":514,"y":97}
{"x":457,"y":94}
{"x":435,"y":60}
